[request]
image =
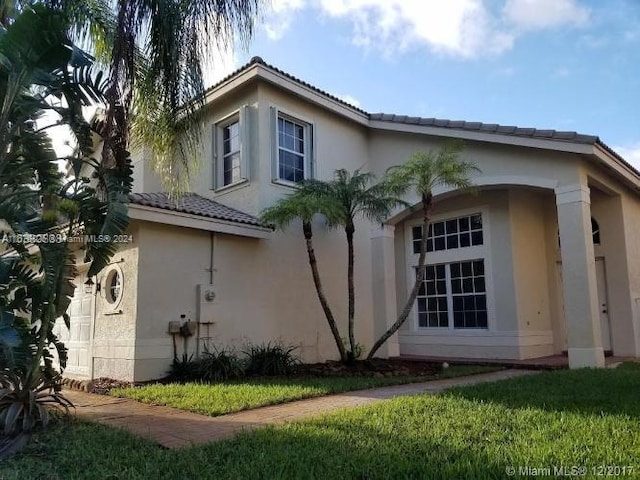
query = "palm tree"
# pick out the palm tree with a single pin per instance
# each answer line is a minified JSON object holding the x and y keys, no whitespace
{"x":156,"y":51}
{"x":356,"y":196}
{"x":424,"y":172}
{"x":300,"y":205}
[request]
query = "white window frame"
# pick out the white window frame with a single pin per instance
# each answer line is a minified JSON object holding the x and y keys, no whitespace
{"x":111,"y":305}
{"x":463,"y":254}
{"x":309,"y":145}
{"x":241,"y":116}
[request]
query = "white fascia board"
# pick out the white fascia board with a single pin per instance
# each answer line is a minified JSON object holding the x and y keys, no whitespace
{"x":616,"y":165}
{"x":231,"y":84}
{"x":179,"y":219}
{"x":313,"y":96}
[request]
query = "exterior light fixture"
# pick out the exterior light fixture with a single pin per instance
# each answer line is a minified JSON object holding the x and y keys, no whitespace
{"x":88,"y":286}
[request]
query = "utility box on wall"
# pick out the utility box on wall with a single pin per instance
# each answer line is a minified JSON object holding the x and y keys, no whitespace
{"x":207,"y":300}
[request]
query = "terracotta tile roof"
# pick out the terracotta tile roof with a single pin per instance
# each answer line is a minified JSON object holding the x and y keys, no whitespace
{"x":194,"y":205}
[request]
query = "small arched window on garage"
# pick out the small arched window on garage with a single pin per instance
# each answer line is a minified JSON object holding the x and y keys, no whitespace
{"x":595,"y":231}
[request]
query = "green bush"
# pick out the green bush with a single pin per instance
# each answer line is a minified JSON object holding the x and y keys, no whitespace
{"x":183,"y":369}
{"x":218,"y":365}
{"x":270,"y":359}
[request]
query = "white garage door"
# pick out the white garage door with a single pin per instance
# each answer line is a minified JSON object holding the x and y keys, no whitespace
{"x":77,"y":338}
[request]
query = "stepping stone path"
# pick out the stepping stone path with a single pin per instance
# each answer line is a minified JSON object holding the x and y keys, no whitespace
{"x":173,"y":428}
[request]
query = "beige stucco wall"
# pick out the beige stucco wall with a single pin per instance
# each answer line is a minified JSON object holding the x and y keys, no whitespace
{"x":114,"y":329}
{"x":530,"y":271}
{"x":264,"y":292}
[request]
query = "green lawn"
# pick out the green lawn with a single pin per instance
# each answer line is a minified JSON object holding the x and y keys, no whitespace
{"x":584,"y":418}
{"x":220,"y":398}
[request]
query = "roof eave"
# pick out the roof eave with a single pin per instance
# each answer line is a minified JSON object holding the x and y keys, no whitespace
{"x":198,"y":222}
{"x":259,"y":71}
{"x":478,"y":136}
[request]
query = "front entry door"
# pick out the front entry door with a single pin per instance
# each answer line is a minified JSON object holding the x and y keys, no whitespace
{"x":603,"y":304}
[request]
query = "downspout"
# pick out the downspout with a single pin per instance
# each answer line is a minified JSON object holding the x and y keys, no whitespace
{"x":212,"y":238}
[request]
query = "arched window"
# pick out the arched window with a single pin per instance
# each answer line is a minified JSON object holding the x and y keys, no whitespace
{"x":595,"y":231}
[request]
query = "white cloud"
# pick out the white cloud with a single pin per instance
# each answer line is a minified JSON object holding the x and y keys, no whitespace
{"x":459,"y":27}
{"x":462,"y":28}
{"x":631,"y":153}
{"x":542,"y":14}
{"x":279,"y":17}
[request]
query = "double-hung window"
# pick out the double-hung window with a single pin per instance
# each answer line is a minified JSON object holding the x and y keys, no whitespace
{"x":453,"y":293}
{"x":230,"y":149}
{"x":293,"y":148}
{"x":231,"y":153}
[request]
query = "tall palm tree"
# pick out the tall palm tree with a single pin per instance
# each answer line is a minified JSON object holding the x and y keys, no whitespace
{"x":299,"y":205}
{"x":156,"y":52}
{"x":357,"y":197}
{"x":424,"y":172}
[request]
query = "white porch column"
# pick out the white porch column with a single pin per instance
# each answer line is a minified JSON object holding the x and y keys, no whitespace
{"x":383,"y":277}
{"x":582,"y":317}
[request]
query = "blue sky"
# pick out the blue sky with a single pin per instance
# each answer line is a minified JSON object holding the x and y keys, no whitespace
{"x":562,"y":64}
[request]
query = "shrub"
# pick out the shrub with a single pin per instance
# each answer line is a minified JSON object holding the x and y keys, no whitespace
{"x":270,"y":359}
{"x":183,"y":369}
{"x":25,"y":401}
{"x":217,"y":365}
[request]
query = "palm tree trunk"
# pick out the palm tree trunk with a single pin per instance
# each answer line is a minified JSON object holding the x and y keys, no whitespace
{"x":308,"y":234}
{"x":427,"y":201}
{"x":352,"y":296}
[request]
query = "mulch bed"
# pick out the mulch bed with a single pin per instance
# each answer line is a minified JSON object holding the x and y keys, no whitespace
{"x":362,"y":368}
{"x":376,"y":367}
{"x":103,"y":385}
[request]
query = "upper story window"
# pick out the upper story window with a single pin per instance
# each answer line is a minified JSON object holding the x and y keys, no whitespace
{"x":231,"y":153}
{"x":452,"y":233}
{"x":293,"y":148}
{"x":230,"y":147}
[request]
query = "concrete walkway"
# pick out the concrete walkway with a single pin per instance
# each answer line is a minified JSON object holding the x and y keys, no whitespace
{"x":173,"y":428}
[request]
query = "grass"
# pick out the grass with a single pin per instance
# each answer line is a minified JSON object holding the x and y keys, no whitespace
{"x":232,"y":396}
{"x":583,"y":418}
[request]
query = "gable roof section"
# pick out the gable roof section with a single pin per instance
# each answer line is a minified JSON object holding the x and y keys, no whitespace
{"x":194,"y":204}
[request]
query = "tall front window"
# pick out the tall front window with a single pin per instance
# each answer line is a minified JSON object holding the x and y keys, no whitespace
{"x":231,"y":154}
{"x":453,"y":294}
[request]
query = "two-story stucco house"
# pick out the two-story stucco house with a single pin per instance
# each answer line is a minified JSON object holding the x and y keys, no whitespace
{"x":543,"y":260}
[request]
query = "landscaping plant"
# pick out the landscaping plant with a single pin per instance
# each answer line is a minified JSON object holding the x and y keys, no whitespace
{"x":269,"y":359}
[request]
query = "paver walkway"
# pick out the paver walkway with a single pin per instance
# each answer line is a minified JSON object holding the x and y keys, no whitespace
{"x":173,"y":428}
